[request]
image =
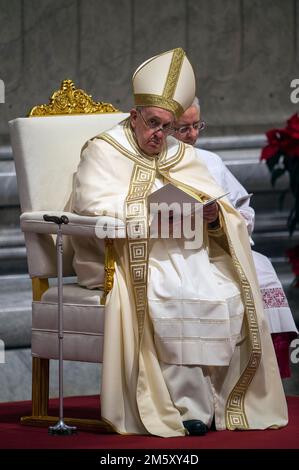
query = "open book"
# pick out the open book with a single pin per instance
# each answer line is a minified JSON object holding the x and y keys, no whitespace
{"x":185,"y":203}
{"x":170,"y":209}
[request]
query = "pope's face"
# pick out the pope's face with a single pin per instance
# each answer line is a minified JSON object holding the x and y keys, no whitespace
{"x":186,"y":122}
{"x":151,"y":126}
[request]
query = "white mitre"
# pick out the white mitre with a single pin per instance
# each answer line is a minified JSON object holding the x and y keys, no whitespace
{"x":166,"y":81}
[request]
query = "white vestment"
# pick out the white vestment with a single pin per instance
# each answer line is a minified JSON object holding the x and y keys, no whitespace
{"x":276,"y":306}
{"x":193,"y":299}
{"x":170,"y":306}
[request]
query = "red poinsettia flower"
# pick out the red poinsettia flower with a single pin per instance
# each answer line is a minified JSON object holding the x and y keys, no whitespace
{"x":273,"y":146}
{"x":281,"y":155}
{"x":283,"y":141}
{"x":290,"y":143}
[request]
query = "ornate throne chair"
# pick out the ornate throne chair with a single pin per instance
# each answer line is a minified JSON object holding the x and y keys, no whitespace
{"x":46,"y":148}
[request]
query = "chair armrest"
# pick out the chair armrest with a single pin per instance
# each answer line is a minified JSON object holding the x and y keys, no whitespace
{"x":79,"y":225}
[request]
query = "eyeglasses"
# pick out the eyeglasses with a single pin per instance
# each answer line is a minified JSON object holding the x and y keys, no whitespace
{"x":155,"y":125}
{"x":197,"y":126}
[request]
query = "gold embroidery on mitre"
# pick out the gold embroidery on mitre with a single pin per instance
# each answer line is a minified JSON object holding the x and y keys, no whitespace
{"x":146,"y":99}
{"x":173,"y":73}
{"x":235,"y":415}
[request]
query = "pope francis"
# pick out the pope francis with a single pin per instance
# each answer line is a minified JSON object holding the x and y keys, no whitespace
{"x":186,"y":342}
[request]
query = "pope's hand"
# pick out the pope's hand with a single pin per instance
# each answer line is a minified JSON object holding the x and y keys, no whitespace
{"x":210,"y":212}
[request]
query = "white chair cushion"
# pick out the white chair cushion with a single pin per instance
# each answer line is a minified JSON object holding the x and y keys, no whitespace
{"x":83,"y":320}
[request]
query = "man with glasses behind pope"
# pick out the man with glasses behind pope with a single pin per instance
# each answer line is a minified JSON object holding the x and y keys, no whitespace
{"x":186,"y":343}
{"x":281,"y":322}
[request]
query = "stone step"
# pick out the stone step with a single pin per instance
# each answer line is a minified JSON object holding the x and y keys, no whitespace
{"x":274,"y":244}
{"x":239,"y":142}
{"x":13,"y":257}
{"x":15,"y":310}
{"x":8,"y":184}
{"x":6,"y":152}
{"x":11,"y":237}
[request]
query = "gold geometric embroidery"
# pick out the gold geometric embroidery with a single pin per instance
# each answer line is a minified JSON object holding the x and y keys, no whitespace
{"x":142,"y":174}
{"x":140,"y":313}
{"x":135,"y":208}
{"x":138,"y":272}
{"x":140,"y":293}
{"x":137,"y":236}
{"x":235,"y":411}
{"x":138,"y":251}
{"x":136,"y":229}
{"x":237,"y":420}
{"x":138,"y":191}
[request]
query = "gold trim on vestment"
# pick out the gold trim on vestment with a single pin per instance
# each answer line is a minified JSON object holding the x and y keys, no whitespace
{"x":163,"y":167}
{"x":147,"y":162}
{"x":235,"y":416}
{"x":142,"y":180}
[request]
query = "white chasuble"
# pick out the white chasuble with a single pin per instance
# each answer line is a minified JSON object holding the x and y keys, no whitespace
{"x":161,"y":289}
{"x":194,"y":303}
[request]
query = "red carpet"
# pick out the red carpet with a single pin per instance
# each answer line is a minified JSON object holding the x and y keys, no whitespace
{"x":15,"y":436}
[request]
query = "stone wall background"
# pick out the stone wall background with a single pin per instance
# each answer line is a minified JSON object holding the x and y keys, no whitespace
{"x":245,"y":53}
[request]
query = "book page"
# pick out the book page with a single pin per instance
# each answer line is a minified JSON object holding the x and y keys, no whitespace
{"x":176,"y":199}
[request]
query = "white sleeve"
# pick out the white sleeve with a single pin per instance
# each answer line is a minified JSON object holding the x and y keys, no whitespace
{"x":231,"y":184}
